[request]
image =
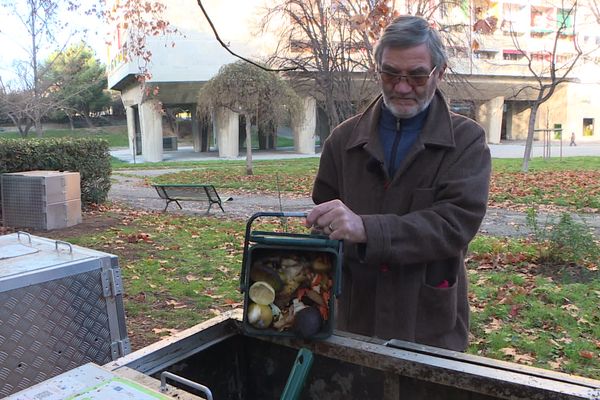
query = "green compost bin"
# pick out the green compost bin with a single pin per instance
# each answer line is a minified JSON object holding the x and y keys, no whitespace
{"x":260,"y":245}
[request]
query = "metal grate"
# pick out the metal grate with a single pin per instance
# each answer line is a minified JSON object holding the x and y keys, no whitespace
{"x":50,"y":328}
{"x":24,"y":201}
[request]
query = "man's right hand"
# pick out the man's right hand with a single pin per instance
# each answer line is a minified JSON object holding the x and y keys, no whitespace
{"x":337,"y":221}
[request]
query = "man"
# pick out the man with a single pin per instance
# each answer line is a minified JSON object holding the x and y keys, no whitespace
{"x":405,"y":185}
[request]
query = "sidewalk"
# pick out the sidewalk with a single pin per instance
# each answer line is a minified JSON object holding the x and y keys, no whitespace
{"x":508,"y":149}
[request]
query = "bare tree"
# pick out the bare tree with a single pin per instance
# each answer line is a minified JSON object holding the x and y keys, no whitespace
{"x":14,"y":104}
{"x":551,"y":71}
{"x":34,"y":87}
{"x":39,"y":18}
{"x":330,"y":44}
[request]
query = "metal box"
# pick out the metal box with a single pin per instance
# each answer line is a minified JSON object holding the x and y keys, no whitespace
{"x":41,"y":199}
{"x":61,"y":306}
{"x":301,"y":252}
{"x":170,"y":143}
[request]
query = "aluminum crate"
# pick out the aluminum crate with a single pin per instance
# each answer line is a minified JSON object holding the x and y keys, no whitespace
{"x":61,"y":306}
{"x":41,"y":199}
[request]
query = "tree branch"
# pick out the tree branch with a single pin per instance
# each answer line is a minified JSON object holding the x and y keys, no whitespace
{"x":233,"y":53}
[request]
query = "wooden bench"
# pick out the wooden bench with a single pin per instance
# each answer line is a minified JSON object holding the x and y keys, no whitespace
{"x":184,"y":192}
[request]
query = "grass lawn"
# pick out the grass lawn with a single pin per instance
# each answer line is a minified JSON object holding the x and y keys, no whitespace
{"x":115,"y":135}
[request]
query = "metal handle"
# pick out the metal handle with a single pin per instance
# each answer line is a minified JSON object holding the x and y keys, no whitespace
{"x":25,"y":234}
{"x":166,"y":374}
{"x":57,"y":242}
{"x":249,"y":229}
{"x":298,"y":375}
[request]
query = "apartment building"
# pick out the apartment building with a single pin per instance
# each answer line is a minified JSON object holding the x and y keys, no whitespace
{"x":500,"y":51}
{"x":505,"y":56}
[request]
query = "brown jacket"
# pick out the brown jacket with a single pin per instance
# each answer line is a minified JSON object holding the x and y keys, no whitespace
{"x":418,"y":225}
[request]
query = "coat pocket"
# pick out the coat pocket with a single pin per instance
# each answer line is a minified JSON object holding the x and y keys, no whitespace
{"x":436,"y":311}
{"x":421,"y":198}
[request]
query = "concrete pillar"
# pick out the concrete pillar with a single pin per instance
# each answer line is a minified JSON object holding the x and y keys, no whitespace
{"x":197,"y":140}
{"x":520,"y":122}
{"x":304,"y":132}
{"x":227,"y":129}
{"x":151,"y":127}
{"x":489,"y":116}
{"x":130,"y":112}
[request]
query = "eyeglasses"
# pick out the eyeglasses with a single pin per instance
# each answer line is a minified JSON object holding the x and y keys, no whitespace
{"x":412,"y":80}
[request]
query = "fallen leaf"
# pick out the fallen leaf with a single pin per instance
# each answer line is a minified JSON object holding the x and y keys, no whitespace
{"x":586,"y":354}
{"x":508,"y":351}
{"x":160,"y":331}
{"x":494,"y":325}
{"x":176,"y":304}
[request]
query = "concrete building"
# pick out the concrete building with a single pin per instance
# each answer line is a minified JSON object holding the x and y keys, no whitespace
{"x":491,"y":44}
{"x":507,"y":40}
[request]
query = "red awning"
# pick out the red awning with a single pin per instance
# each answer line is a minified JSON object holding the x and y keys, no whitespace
{"x":511,"y":51}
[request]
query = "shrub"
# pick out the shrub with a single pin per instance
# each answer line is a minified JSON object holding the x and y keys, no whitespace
{"x":89,"y":157}
{"x":563,"y":240}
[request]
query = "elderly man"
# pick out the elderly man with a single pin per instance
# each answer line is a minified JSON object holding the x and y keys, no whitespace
{"x":405,"y":185}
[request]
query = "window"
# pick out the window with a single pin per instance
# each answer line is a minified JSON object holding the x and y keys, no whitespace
{"x":564,"y":58}
{"x":542,"y":20}
{"x":541,"y":56}
{"x":588,"y":127}
{"x":564,"y":22}
{"x":558,"y":131}
{"x":298,"y":46}
{"x":484,"y":54}
{"x":513,"y":55}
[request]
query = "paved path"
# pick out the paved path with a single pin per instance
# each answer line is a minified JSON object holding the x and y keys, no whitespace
{"x":507,"y":149}
{"x":129,"y":187}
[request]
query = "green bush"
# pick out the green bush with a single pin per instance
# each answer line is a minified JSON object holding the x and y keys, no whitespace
{"x":89,"y":157}
{"x":563,"y":240}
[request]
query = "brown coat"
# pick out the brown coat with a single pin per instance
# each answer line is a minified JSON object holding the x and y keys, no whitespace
{"x":418,"y":225}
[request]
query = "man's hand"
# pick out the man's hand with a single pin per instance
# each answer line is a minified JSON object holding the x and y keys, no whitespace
{"x":337,"y":221}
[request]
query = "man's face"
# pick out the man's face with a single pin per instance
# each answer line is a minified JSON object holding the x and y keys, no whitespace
{"x":403,"y":99}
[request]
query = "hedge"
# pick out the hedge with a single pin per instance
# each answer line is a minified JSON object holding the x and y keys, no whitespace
{"x":89,"y":157}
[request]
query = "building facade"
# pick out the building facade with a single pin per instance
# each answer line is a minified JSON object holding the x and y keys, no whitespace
{"x":511,"y":50}
{"x":500,"y":52}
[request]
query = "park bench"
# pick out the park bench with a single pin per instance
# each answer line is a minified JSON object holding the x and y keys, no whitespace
{"x":188,"y":192}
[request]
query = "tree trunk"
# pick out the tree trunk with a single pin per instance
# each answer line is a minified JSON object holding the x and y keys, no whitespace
{"x":71,"y":124}
{"x":248,"y":145}
{"x":530,"y":133}
{"x":88,"y":120}
{"x":263,"y":137}
{"x":39,"y":130}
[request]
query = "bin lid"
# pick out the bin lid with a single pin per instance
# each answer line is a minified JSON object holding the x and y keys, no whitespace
{"x":16,"y":250}
{"x":27,"y":260}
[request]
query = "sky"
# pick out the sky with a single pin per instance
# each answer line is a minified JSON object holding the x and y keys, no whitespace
{"x":14,"y":41}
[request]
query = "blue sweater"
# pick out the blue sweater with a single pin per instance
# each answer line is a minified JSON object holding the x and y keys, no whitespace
{"x":397,"y":135}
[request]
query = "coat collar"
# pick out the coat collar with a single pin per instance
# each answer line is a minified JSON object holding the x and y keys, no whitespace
{"x":437,"y":130}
